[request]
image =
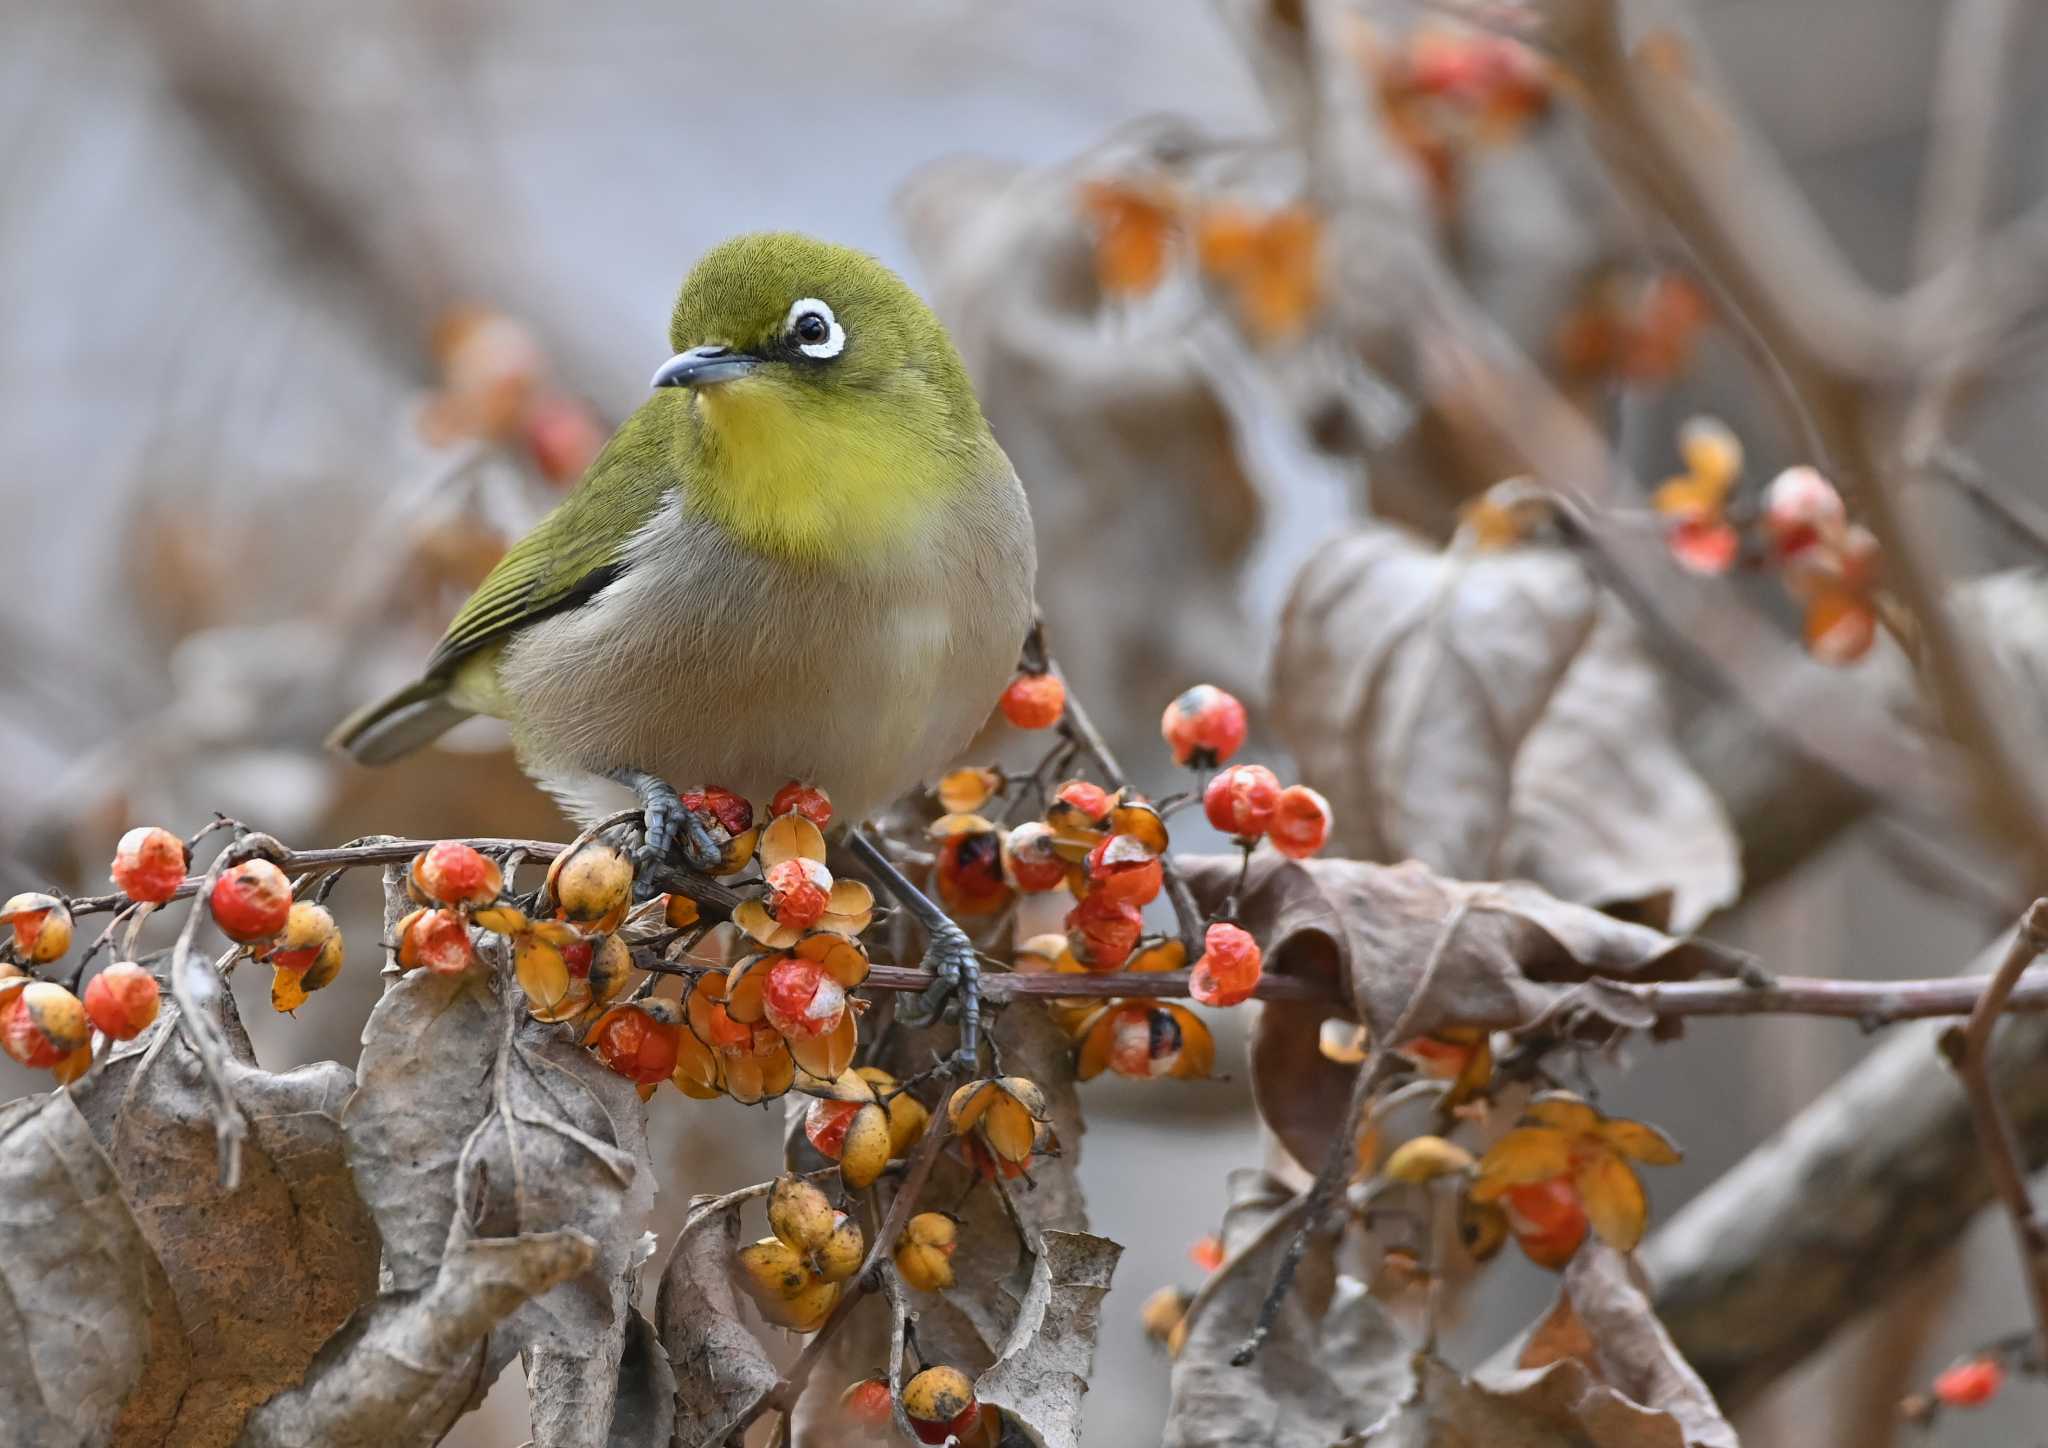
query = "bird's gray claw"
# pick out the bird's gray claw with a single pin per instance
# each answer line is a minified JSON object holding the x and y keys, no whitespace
{"x":700,"y":852}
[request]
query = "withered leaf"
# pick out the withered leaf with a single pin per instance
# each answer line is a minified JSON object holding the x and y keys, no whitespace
{"x":74,"y":1314}
{"x":1491,"y":714}
{"x":252,"y":1281}
{"x":1333,"y":1365}
{"x":644,"y":1407}
{"x":1603,"y":1323}
{"x":1042,"y":1371}
{"x":721,"y":1372}
{"x":401,"y":1372}
{"x":1409,"y":953}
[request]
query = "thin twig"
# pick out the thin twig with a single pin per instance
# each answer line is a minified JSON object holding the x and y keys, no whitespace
{"x":869,"y":1279}
{"x":1969,"y":1050}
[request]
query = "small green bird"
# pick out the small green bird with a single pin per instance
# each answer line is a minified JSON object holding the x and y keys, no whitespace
{"x":804,"y":557}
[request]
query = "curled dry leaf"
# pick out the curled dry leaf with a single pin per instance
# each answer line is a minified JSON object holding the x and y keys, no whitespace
{"x":721,"y":1372}
{"x":1493,"y":715}
{"x":1412,"y":953}
{"x":1042,"y":1371}
{"x":75,"y":1313}
{"x":1333,"y":1365}
{"x":400,"y":1375}
{"x":472,"y":1121}
{"x":246,"y":1284}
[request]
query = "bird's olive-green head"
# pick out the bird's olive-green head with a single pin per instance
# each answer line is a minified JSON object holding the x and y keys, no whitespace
{"x":820,"y":406}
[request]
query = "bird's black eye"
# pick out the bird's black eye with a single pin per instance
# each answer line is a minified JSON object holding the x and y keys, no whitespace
{"x":812,"y":329}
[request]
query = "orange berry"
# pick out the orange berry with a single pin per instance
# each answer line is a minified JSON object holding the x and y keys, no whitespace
{"x":1203,"y":727}
{"x":867,"y":1403}
{"x":1029,"y":860}
{"x":1125,"y":868}
{"x":825,"y":1123}
{"x":42,"y":926}
{"x":722,"y":807}
{"x":1229,"y":969}
{"x":122,"y":1000}
{"x":1704,"y":545}
{"x":1034,"y":701}
{"x":1089,"y":803}
{"x":1967,"y":1385}
{"x":1548,"y":1220}
{"x":637,"y":1042}
{"x":251,"y":901}
{"x":42,"y":1023}
{"x":149,"y":864}
{"x":1144,"y":1042}
{"x":1103,"y":931}
{"x":436,"y":939}
{"x":801,"y":999}
{"x":1206,"y":1252}
{"x":798,"y":890}
{"x":562,"y":437}
{"x":452,"y":873}
{"x":1239,"y":800}
{"x":970,"y":872}
{"x":798,"y":798}
{"x":1301,"y":822}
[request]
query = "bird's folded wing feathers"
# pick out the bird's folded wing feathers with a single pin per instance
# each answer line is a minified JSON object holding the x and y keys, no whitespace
{"x":569,"y":555}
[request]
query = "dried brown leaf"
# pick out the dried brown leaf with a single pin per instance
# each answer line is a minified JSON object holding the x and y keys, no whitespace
{"x":402,"y":1372}
{"x":74,"y":1314}
{"x":1042,"y":1372}
{"x":252,"y":1281}
{"x":1413,"y":953}
{"x":1333,"y":1365}
{"x":1492,"y":715}
{"x":644,"y":1407}
{"x":721,"y":1372}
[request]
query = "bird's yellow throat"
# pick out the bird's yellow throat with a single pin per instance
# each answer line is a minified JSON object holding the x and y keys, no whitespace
{"x":812,"y":479}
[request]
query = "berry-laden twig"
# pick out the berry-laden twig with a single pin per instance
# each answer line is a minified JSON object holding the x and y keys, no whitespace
{"x":1080,"y":730}
{"x":1969,"y":1049}
{"x":869,"y":1278}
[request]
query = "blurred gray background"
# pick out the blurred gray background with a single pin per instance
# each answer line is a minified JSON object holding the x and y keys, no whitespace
{"x":228,"y":230}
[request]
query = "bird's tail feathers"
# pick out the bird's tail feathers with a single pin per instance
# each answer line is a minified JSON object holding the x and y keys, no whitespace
{"x":391,"y":728}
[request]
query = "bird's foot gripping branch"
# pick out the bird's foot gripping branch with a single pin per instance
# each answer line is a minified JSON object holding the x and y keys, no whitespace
{"x":1415,"y":1042}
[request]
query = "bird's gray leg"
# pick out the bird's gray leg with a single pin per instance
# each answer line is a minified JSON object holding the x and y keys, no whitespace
{"x":948,"y":954}
{"x":667,"y":823}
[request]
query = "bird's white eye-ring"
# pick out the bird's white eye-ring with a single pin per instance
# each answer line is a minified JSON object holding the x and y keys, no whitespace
{"x":817,"y":332}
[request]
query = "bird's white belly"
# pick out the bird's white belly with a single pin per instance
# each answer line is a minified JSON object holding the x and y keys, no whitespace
{"x":858,"y":685}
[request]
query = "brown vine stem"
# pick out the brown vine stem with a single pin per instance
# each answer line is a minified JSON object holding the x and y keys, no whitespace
{"x":1969,"y":1051}
{"x":916,"y":1173}
{"x":707,"y":892}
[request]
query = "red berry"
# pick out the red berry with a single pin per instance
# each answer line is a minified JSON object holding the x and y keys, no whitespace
{"x":41,"y":925}
{"x":1203,"y":727}
{"x":1548,"y":1220}
{"x":307,"y":929}
{"x":867,"y":1403}
{"x":453,"y":873}
{"x":1229,"y":969}
{"x":251,"y":901}
{"x":1034,"y":701}
{"x":798,"y":890}
{"x":633,"y":1042}
{"x":971,"y":873}
{"x":42,"y":1023}
{"x":1104,"y":930}
{"x":1144,"y":1042}
{"x":804,"y":799}
{"x":1301,"y":822}
{"x":825,"y":1123}
{"x":1029,"y":860}
{"x":723,"y":806}
{"x":1090,"y":800}
{"x":563,"y":438}
{"x":1125,"y":868}
{"x":801,"y":999}
{"x":1239,"y":800}
{"x":122,"y":1000}
{"x":149,"y":864}
{"x":1800,"y":509}
{"x":439,"y":940}
{"x":1966,"y":1385}
{"x":1206,"y":1253}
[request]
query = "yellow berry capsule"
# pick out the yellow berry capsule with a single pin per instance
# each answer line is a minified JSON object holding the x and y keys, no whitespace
{"x":866,"y":1152}
{"x":807,"y":1311}
{"x":772,"y":1269}
{"x":592,"y":885}
{"x":940,"y":1400}
{"x":1162,"y":1313}
{"x":799,"y":1214}
{"x":842,"y":1251}
{"x":924,"y":1255}
{"x":1424,"y":1159}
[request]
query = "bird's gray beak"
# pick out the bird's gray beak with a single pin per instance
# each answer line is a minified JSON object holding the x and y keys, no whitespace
{"x":702,"y":366}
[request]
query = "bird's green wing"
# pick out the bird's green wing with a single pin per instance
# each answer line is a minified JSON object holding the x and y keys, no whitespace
{"x":572,"y":553}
